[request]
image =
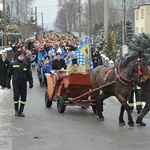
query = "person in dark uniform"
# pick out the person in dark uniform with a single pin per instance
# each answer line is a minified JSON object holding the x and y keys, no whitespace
{"x":137,"y":91}
{"x":20,"y":71}
{"x":4,"y":65}
{"x":145,"y":97}
{"x":58,"y":63}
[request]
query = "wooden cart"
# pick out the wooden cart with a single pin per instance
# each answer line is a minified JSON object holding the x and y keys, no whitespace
{"x":70,"y":90}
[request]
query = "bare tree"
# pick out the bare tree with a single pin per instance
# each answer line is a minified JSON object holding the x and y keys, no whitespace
{"x":20,"y":10}
{"x":67,"y":16}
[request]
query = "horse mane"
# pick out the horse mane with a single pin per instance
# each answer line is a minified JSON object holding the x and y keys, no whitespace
{"x":128,"y":60}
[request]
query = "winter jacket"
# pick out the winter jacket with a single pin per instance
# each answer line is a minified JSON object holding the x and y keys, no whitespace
{"x":97,"y":60}
{"x":20,"y":71}
{"x":27,"y":59}
{"x":4,"y":65}
{"x":57,"y":65}
{"x":145,"y":90}
{"x":41,"y":55}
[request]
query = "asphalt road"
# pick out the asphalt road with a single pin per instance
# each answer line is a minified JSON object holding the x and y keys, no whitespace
{"x":76,"y":129}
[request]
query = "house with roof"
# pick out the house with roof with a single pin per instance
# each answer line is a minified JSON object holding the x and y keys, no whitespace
{"x":142,"y":18}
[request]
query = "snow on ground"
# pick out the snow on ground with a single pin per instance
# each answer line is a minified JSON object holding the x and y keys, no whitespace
{"x":5,"y":112}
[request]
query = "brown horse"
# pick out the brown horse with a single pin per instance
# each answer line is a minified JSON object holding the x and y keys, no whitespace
{"x":123,"y":74}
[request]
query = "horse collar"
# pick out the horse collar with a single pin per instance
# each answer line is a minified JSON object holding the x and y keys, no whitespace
{"x":121,"y":78}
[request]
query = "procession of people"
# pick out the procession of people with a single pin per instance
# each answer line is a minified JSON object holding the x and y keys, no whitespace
{"x":49,"y":51}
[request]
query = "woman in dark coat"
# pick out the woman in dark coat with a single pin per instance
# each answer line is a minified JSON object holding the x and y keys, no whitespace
{"x":145,"y":97}
{"x":4,"y":66}
{"x":97,"y":59}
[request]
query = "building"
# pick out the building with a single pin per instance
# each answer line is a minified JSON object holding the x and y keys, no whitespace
{"x":142,"y":18}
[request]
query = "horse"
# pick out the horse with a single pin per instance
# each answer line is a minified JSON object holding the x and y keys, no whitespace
{"x":123,"y":75}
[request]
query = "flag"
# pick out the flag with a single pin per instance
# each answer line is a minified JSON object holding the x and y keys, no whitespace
{"x":84,"y":55}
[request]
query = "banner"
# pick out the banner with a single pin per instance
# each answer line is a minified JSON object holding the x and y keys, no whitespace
{"x":83,"y":54}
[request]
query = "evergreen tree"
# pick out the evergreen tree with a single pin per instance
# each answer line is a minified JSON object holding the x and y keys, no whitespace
{"x":140,"y":42}
{"x":99,"y":40}
{"x":119,"y":34}
{"x":111,"y":48}
{"x":8,"y":14}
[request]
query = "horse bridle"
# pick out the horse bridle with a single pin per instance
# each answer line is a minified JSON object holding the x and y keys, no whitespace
{"x":123,"y":79}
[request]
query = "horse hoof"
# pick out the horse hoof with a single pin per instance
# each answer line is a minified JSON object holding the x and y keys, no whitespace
{"x":122,"y":123}
{"x":102,"y":119}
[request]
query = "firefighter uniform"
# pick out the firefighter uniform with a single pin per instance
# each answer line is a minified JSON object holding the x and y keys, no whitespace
{"x":21,"y":73}
{"x":137,"y":91}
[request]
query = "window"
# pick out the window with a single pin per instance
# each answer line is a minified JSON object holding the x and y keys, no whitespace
{"x":141,"y":30}
{"x":137,"y":15}
{"x":142,"y":13}
{"x":137,"y":30}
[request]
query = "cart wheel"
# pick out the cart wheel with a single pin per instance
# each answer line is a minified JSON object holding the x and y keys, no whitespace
{"x":48,"y":102}
{"x":94,"y":109}
{"x":60,"y":105}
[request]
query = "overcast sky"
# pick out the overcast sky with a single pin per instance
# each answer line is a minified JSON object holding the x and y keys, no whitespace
{"x":49,"y":9}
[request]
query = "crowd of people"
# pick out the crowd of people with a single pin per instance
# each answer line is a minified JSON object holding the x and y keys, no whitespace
{"x":51,"y":51}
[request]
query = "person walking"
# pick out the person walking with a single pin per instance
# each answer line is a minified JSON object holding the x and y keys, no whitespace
{"x":137,"y":91}
{"x":145,"y":95}
{"x":4,"y":65}
{"x":21,"y":73}
{"x":27,"y":58}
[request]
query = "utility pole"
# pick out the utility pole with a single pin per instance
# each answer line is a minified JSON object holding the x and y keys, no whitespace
{"x":90,"y":24}
{"x":74,"y":16}
{"x":42,"y":21}
{"x":79,"y":19}
{"x":4,"y":19}
{"x":124,"y":47}
{"x":35,"y":15}
{"x":124,"y":22}
{"x":67,"y":16}
{"x":106,"y":21}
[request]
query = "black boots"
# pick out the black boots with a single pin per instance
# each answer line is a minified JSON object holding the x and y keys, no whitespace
{"x":19,"y":113}
{"x":138,"y":111}
{"x":140,"y":122}
{"x":16,"y":113}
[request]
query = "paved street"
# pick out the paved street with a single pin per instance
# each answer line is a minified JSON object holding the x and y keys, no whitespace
{"x":76,"y":129}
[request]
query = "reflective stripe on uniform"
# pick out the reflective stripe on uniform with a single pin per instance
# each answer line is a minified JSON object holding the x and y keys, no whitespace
{"x":25,"y":69}
{"x":21,"y":102}
{"x":131,"y":104}
{"x":16,"y":102}
{"x":138,"y":87}
{"x":138,"y":103}
{"x":16,"y":66}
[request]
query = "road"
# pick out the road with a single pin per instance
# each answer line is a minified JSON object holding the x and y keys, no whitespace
{"x":76,"y":129}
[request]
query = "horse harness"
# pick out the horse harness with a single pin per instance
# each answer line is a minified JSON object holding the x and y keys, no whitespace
{"x":123,"y":79}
